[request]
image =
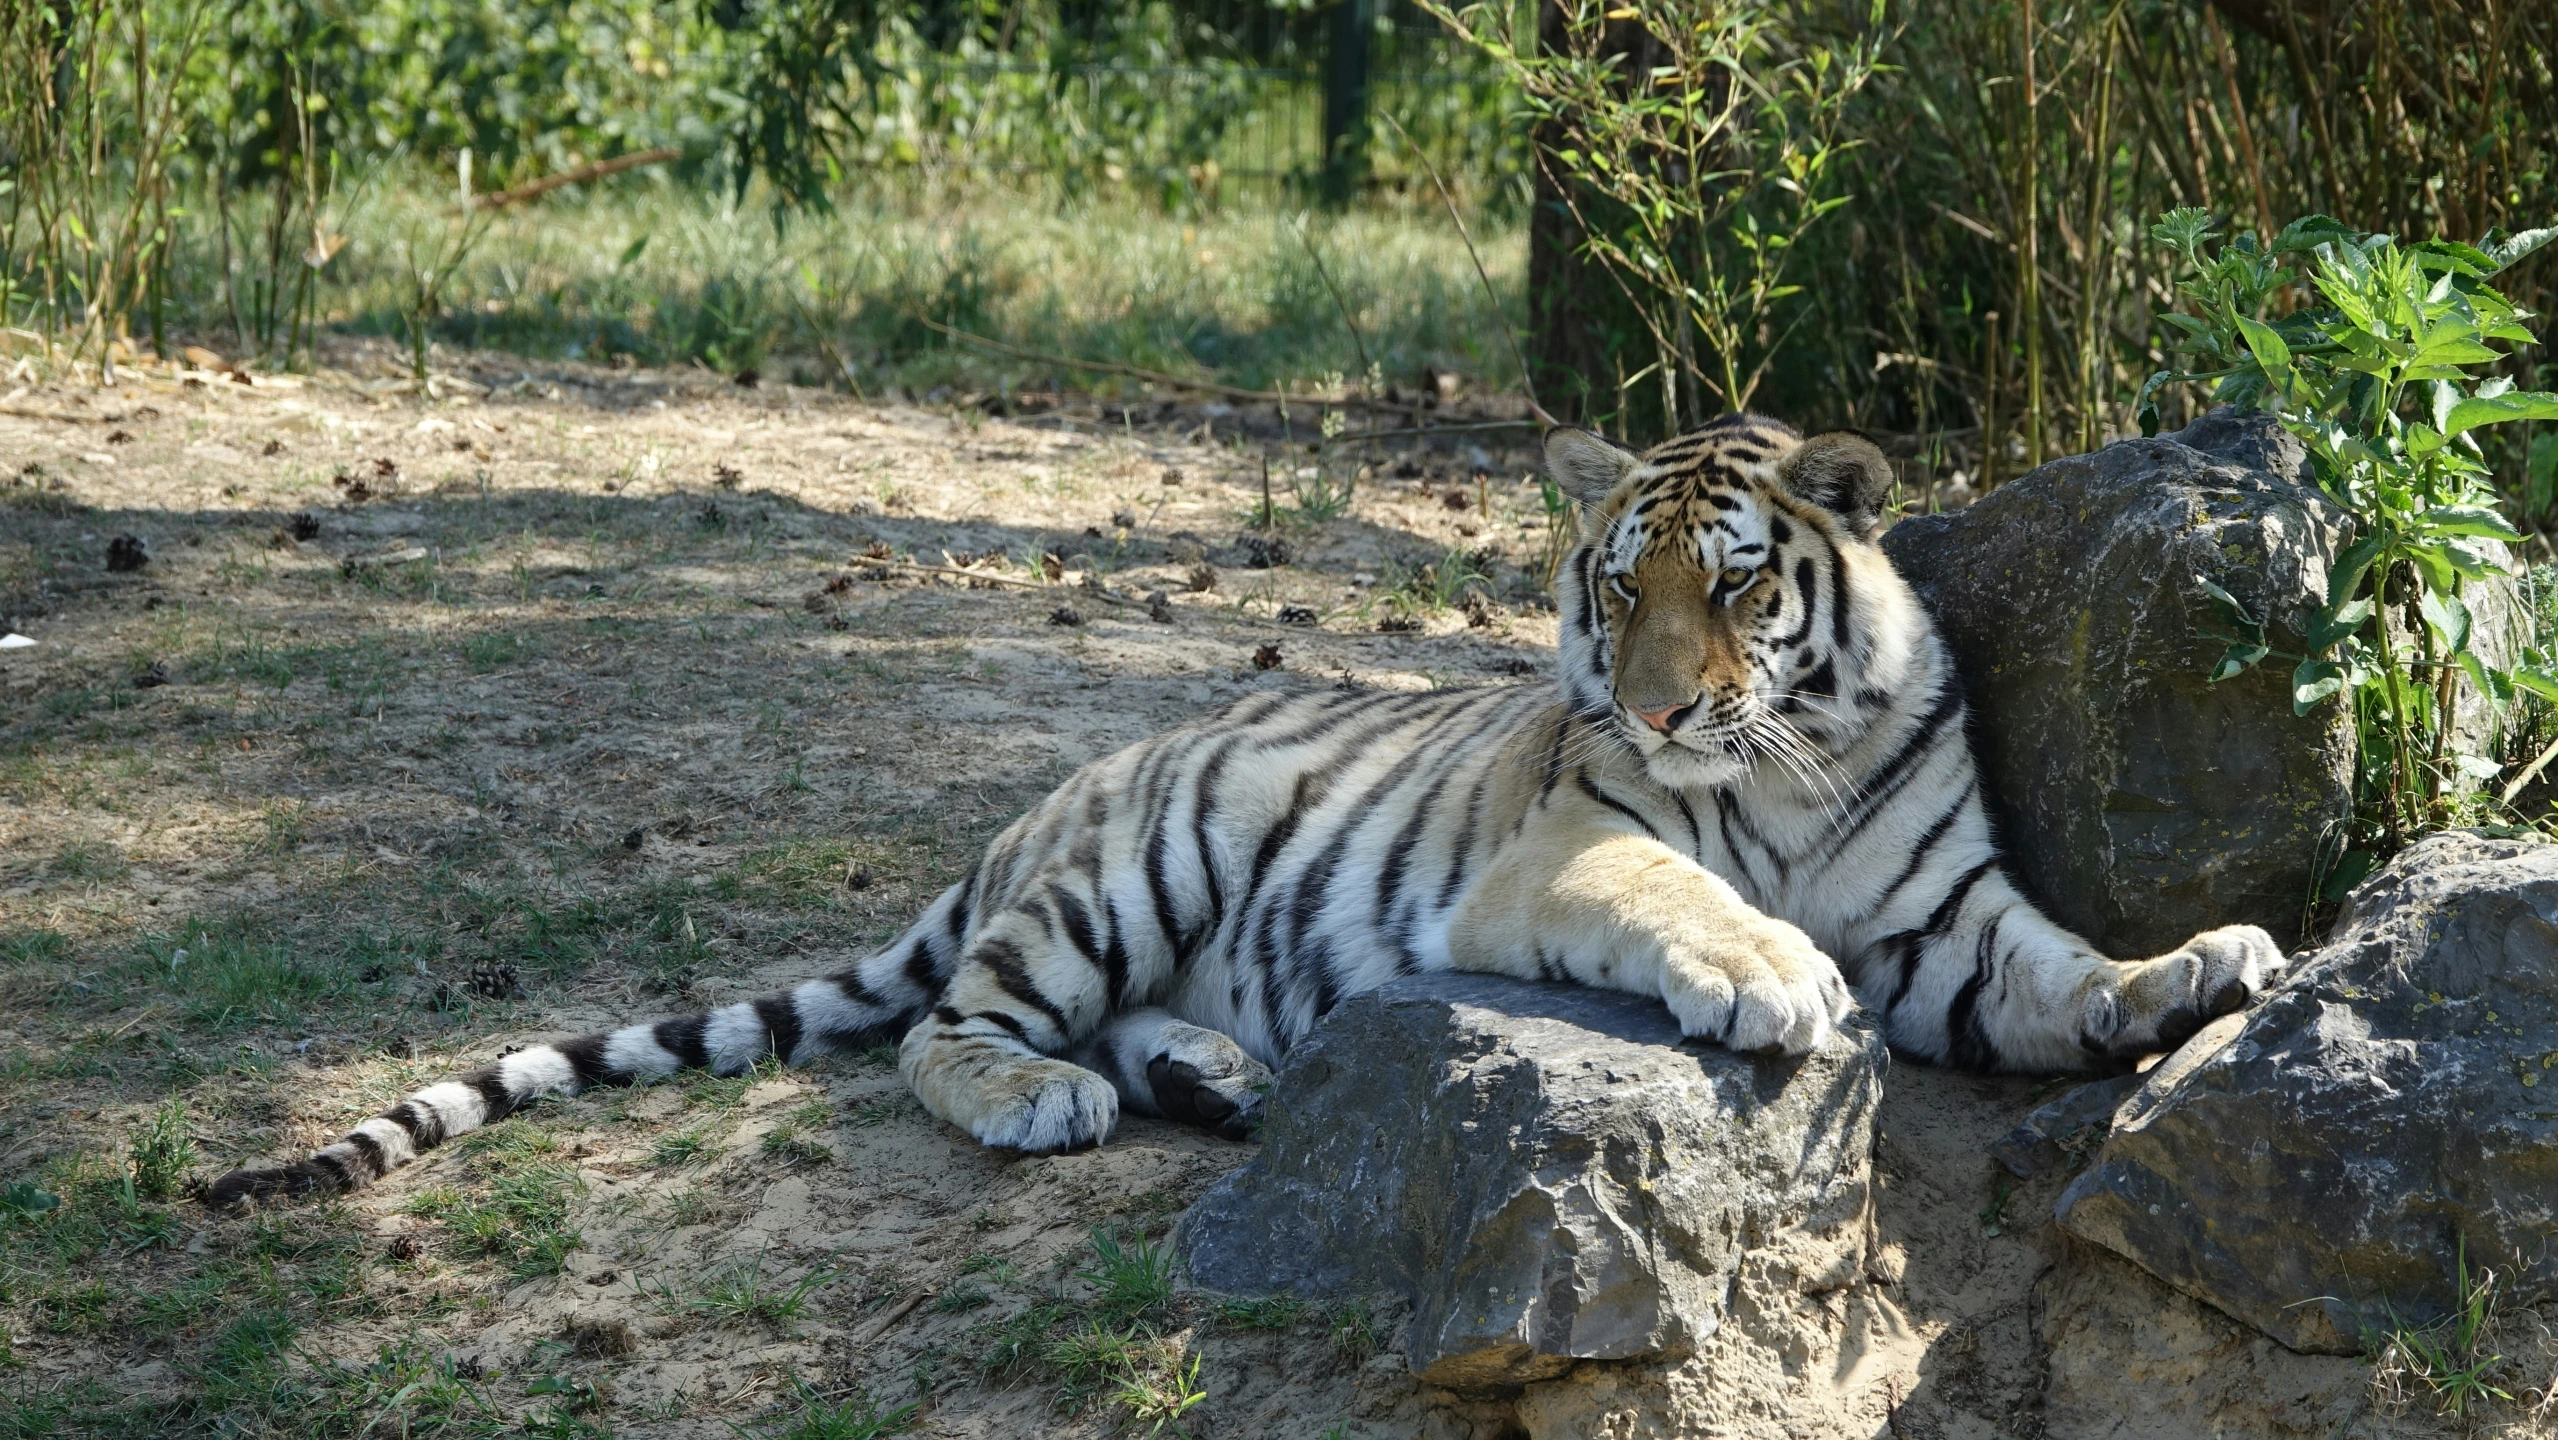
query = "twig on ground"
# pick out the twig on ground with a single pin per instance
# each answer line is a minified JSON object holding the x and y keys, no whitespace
{"x":903,"y":1308}
{"x":1348,"y":435}
{"x":2529,"y":773}
{"x":862,"y":562}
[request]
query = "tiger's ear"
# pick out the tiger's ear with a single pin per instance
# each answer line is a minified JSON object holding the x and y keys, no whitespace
{"x":1586,"y":466}
{"x":1840,"y":472}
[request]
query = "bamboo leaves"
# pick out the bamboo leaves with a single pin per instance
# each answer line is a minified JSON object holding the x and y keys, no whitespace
{"x":1693,"y":158}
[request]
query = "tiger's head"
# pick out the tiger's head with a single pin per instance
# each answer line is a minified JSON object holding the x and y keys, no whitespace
{"x":1726,"y":603}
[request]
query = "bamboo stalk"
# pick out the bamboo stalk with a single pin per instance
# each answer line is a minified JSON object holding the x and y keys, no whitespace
{"x":2091,"y":423}
{"x":2029,"y":283}
{"x":1993,"y":366}
{"x":2228,"y":57}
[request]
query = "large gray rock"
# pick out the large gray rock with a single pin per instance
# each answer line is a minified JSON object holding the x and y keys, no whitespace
{"x":2395,"y":1100}
{"x":1546,"y":1173}
{"x":2141,"y":802}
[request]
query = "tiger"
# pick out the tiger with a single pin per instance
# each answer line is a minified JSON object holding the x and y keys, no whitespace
{"x":1747,"y":791}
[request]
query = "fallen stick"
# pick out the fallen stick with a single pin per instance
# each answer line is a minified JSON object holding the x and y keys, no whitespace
{"x":500,"y":199}
{"x":904,"y":1308}
{"x":1347,"y":436}
{"x":864,"y":561}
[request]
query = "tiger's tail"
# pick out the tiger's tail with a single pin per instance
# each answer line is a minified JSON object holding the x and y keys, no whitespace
{"x":870,"y":1002}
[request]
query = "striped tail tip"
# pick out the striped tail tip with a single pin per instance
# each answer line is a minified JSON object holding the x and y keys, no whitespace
{"x":291,"y":1182}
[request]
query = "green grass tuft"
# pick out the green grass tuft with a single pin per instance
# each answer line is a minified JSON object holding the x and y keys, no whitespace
{"x":163,"y":1151}
{"x":1132,"y":1278}
{"x":814,"y":1416}
{"x":744,"y":1293}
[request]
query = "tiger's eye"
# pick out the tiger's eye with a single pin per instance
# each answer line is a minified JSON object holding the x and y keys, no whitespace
{"x":1738,"y":576}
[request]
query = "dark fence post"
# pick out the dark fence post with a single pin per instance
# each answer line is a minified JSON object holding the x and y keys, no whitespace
{"x":1345,"y":99}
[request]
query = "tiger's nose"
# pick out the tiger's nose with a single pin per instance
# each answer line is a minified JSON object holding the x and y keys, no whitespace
{"x":1665,"y":719}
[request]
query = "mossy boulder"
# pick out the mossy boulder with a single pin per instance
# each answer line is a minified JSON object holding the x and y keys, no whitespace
{"x":2324,"y":1167}
{"x":2140,"y":801}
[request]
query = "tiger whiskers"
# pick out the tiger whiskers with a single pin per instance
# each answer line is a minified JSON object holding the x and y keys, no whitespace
{"x":1767,"y":733}
{"x":1600,"y":739}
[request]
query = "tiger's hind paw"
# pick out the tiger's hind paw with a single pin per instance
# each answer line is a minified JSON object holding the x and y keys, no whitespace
{"x":1203,"y":1078}
{"x":2159,"y":1004}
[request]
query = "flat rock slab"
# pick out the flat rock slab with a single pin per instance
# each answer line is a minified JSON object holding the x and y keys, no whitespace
{"x":2389,"y":1112}
{"x":1545,"y":1173}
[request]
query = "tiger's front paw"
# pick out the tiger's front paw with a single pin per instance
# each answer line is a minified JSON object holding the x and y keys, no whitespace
{"x":2159,"y":1004}
{"x":1771,"y":991}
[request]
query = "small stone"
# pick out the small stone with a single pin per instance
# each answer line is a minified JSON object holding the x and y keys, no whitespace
{"x":1202,"y":578}
{"x":1297,"y":615}
{"x":2046,"y":1137}
{"x":153,"y":677}
{"x":1159,"y":607}
{"x":1065,"y":615}
{"x":600,"y":1339}
{"x":127,"y":553}
{"x":1267,"y":657}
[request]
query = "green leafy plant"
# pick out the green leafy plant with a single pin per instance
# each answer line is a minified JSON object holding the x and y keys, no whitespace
{"x":1140,"y":1370}
{"x":1357,"y":1334}
{"x":682,"y":1147}
{"x":25,"y":1200}
{"x":2376,"y":355}
{"x":791,"y":1141}
{"x":1272,"y":1312}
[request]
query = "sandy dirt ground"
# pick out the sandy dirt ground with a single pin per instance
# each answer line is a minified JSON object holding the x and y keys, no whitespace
{"x":428,"y":726}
